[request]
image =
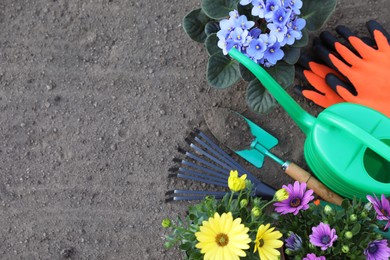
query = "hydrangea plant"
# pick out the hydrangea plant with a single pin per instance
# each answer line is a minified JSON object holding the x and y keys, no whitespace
{"x":270,"y":32}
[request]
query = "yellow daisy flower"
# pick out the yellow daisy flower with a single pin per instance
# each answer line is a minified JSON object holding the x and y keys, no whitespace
{"x":236,"y":183}
{"x":221,"y":237}
{"x":266,"y":242}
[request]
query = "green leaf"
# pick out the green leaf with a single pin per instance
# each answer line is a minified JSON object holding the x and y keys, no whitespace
{"x":222,"y":72}
{"x":218,"y":9}
{"x":356,"y":229}
{"x":211,"y":27}
{"x":317,"y":12}
{"x":258,"y":98}
{"x":211,"y":44}
{"x":194,"y":25}
{"x":303,"y":41}
{"x":291,"y":55}
{"x":283,"y":73}
{"x":246,"y":74}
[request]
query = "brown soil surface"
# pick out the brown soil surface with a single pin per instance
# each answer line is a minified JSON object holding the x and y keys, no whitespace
{"x":95,"y":98}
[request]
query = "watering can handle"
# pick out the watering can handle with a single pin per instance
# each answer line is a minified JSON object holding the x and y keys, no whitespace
{"x":299,"y":174}
{"x":371,"y":142}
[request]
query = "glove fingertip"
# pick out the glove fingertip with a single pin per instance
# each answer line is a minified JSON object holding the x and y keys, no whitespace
{"x":334,"y":82}
{"x":373,"y":25}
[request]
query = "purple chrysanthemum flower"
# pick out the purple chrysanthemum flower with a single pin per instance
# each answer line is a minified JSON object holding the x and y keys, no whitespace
{"x":323,"y":236}
{"x":382,"y":208}
{"x":298,"y":199}
{"x":294,"y":242}
{"x":314,"y":257}
{"x":377,"y":249}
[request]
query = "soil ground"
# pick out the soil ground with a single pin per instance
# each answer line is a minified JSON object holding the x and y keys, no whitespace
{"x":95,"y":98}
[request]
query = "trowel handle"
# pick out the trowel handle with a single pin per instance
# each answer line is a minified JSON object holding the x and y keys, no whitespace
{"x":299,"y":174}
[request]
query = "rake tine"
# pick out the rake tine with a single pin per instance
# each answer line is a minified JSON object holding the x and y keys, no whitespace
{"x":202,"y":168}
{"x":216,"y":150}
{"x":200,"y":174}
{"x":199,"y":178}
{"x":225,"y":155}
{"x":197,"y":158}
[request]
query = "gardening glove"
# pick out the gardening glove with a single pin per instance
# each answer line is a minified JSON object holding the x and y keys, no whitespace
{"x":364,"y":69}
{"x":315,"y":73}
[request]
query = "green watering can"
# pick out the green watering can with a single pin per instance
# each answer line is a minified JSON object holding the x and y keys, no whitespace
{"x":347,"y":145}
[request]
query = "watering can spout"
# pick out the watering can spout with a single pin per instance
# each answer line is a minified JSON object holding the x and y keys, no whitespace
{"x":303,"y":119}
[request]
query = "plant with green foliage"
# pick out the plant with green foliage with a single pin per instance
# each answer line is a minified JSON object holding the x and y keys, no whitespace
{"x":308,"y":228}
{"x":271,"y":32}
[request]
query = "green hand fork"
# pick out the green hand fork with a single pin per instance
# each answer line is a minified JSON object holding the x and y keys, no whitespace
{"x":347,"y":145}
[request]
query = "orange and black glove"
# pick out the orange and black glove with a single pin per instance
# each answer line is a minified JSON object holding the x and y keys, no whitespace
{"x":359,"y":73}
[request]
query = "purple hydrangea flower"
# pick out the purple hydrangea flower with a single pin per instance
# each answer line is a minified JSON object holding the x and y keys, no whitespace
{"x":314,"y":257}
{"x":298,"y":199}
{"x":377,"y":249}
{"x":281,"y":16}
{"x":323,"y":236}
{"x":382,"y":208}
{"x":294,"y":242}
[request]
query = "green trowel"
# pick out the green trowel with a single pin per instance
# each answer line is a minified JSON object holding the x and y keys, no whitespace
{"x":253,"y":143}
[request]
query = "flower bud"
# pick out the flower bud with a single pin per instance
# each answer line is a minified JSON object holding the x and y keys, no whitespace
{"x":243,"y":203}
{"x":281,"y":195}
{"x":166,"y":223}
{"x":364,"y":214}
{"x":256,"y":211}
{"x":353,"y":217}
{"x":288,"y":251}
{"x":378,"y":237}
{"x":311,"y":246}
{"x":345,"y":249}
{"x":348,"y":235}
{"x":328,"y":210}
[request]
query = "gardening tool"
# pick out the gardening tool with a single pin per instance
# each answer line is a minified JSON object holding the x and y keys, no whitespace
{"x":210,"y":164}
{"x":347,"y":145}
{"x":357,"y":74}
{"x":257,"y":144}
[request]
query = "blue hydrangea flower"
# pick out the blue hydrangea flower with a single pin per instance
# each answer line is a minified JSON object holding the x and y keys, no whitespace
{"x":281,"y":16}
{"x":258,"y":8}
{"x":273,"y":54}
{"x":295,"y":5}
{"x":243,"y":22}
{"x":227,"y":26}
{"x":239,"y":35}
{"x":234,"y":14}
{"x":256,"y":49}
{"x":279,"y":31}
{"x":245,"y":2}
{"x":270,"y":7}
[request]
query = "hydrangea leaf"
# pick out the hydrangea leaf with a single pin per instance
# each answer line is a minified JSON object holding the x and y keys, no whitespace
{"x":245,"y":73}
{"x":222,"y":72}
{"x":211,"y":44}
{"x":291,"y":55}
{"x":218,"y":9}
{"x":194,"y":25}
{"x":303,"y":41}
{"x":258,"y":98}
{"x":317,"y":12}
{"x":211,"y":27}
